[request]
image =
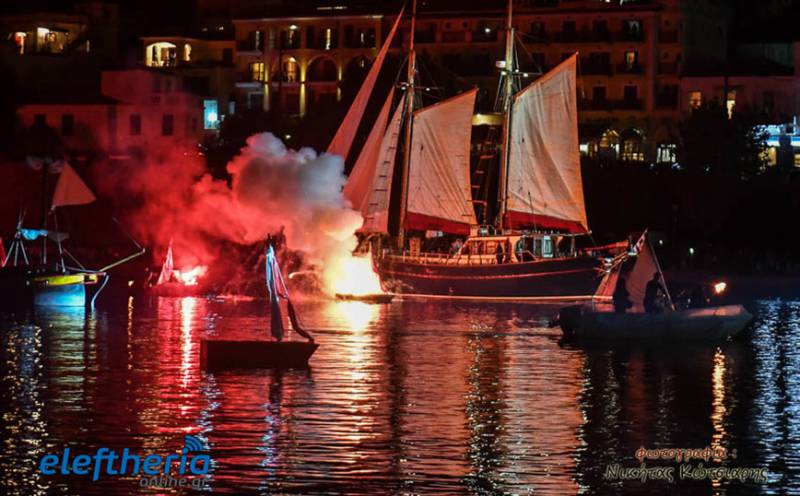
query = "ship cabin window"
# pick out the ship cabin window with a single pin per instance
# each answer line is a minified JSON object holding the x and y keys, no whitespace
{"x":547,"y":247}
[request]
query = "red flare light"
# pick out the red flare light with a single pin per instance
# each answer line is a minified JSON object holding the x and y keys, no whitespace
{"x":190,"y":276}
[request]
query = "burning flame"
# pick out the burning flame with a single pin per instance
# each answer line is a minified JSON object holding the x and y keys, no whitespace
{"x":190,"y":276}
{"x":720,"y":287}
{"x":352,"y":276}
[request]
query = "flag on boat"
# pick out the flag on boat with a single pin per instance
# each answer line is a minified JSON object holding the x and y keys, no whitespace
{"x":71,"y":190}
{"x":276,"y":287}
{"x":641,"y":273}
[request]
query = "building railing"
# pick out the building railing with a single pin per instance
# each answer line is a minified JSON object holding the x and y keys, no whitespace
{"x":454,"y":36}
{"x":596,"y":68}
{"x":629,"y":35}
{"x":248,"y":46}
{"x":668,"y":36}
{"x":667,"y":67}
{"x":626,"y":68}
{"x":607,"y":105}
{"x":628,"y":104}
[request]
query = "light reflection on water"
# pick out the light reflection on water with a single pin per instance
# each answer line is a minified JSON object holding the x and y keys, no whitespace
{"x":404,"y":398}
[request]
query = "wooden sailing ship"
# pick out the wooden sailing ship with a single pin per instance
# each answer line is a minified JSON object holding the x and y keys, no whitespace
{"x":530,"y":250}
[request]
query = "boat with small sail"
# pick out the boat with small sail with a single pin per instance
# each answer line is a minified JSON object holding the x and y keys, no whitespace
{"x":632,"y":272}
{"x":530,"y":251}
{"x":173,"y":282}
{"x":225,"y":354}
{"x":57,"y":279}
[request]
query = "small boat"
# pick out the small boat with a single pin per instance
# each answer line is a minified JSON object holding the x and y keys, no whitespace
{"x":55,"y":281}
{"x":377,"y":298}
{"x":263,"y":353}
{"x":701,"y":324}
{"x":176,"y":283}
{"x":600,"y":321}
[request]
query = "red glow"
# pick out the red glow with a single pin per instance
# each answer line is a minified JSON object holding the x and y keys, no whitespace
{"x":190,"y":276}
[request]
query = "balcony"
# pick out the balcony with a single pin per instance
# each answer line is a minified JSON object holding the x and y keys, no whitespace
{"x":630,"y":35}
{"x":567,"y":37}
{"x":667,"y":101}
{"x":626,"y":68}
{"x":628,"y":104}
{"x":590,"y":68}
{"x":591,"y":105}
{"x":425,"y":36}
{"x":249,"y":46}
{"x":454,"y":36}
{"x":668,"y":68}
{"x":668,"y":36}
{"x":586,"y":104}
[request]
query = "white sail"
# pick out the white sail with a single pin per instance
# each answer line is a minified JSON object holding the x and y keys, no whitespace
{"x":376,"y":212}
{"x":167,"y":268}
{"x":360,"y":182}
{"x":343,"y":139}
{"x":545,"y":189}
{"x":439,"y":196}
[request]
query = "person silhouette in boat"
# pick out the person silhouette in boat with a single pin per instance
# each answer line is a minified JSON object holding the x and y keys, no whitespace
{"x":621,"y":297}
{"x":651,"y":294}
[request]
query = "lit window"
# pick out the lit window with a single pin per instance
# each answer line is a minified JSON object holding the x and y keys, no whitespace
{"x":187,"y":52}
{"x":730,"y":102}
{"x":667,"y":153}
{"x":19,"y":40}
{"x":210,"y":115}
{"x":257,"y":72}
{"x":695,"y":99}
{"x":328,"y":37}
{"x":290,"y":69}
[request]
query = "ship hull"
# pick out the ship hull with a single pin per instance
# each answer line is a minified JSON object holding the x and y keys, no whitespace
{"x":547,"y":279}
{"x":25,"y":287}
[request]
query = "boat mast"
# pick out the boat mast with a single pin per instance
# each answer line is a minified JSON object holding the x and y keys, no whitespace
{"x":409,"y":101}
{"x":507,"y":72}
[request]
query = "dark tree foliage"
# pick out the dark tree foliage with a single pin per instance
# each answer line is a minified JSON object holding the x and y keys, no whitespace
{"x":712,"y":142}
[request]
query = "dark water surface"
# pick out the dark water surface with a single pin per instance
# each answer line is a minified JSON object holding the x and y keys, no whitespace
{"x":407,"y":398}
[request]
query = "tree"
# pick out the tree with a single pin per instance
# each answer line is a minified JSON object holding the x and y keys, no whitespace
{"x":712,"y":141}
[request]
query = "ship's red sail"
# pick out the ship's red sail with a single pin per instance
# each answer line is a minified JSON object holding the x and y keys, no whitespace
{"x":439,"y":195}
{"x":545,"y":189}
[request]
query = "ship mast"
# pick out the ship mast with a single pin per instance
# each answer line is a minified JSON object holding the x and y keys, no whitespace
{"x":409,"y":101}
{"x":508,"y":72}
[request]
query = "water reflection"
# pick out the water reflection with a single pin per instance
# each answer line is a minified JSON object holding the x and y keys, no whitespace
{"x":405,"y":398}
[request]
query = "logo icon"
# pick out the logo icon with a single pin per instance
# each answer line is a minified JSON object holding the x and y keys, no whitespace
{"x":192,"y":443}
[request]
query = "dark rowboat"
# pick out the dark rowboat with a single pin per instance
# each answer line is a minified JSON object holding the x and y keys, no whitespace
{"x":698,"y":324}
{"x":263,"y":353}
